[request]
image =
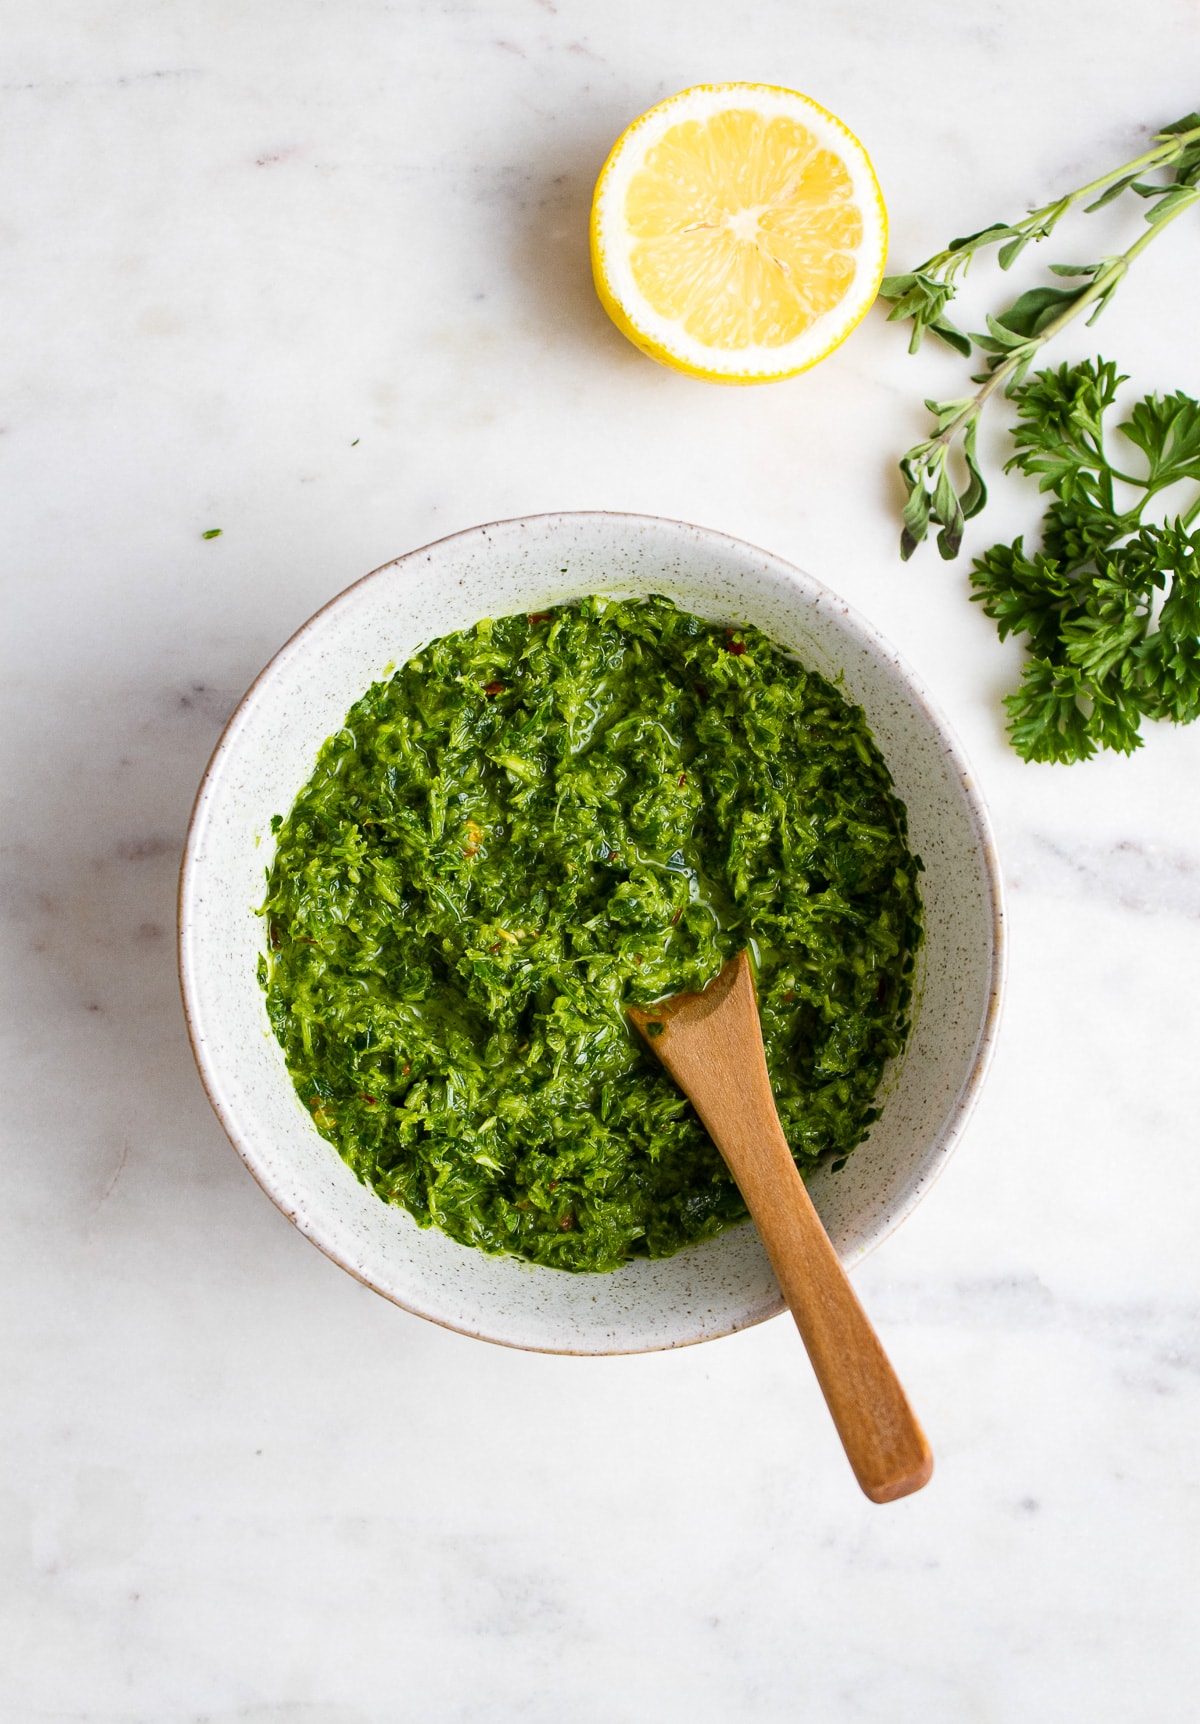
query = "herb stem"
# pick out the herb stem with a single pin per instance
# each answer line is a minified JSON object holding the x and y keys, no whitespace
{"x":1039,"y":223}
{"x":929,"y":460}
{"x":1166,"y":149}
{"x":1100,"y":288}
{"x":1016,"y":335}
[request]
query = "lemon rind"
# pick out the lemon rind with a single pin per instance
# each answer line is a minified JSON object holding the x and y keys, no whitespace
{"x":663,"y":340}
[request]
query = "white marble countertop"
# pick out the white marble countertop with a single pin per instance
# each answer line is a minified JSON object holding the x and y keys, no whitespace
{"x":317,"y":275}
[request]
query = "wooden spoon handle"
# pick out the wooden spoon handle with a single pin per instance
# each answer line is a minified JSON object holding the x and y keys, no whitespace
{"x":711,"y":1043}
{"x":884,"y":1443}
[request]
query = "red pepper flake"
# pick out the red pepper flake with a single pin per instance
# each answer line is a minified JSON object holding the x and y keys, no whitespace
{"x":405,"y":1069}
{"x":566,"y":1224}
{"x":788,"y":997}
{"x":539,"y":617}
{"x":676,"y":917}
{"x":553,"y":1185}
{"x":362,"y":1096}
{"x":637,"y":957}
{"x":737,"y":648}
{"x":276,"y":941}
{"x":683,"y":778}
{"x":493,"y":688}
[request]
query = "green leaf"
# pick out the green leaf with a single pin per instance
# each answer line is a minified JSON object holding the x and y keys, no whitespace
{"x":896,"y":286}
{"x":1059,"y":439}
{"x":1022,"y":595}
{"x":916,"y":512}
{"x":1167,"y":431}
{"x":1075,"y":533}
{"x":1000,"y":344}
{"x":1189,"y":123}
{"x":1109,"y":623}
{"x":1114,"y":719}
{"x":1167,"y":662}
{"x":1187,"y":164}
{"x":1172,"y":201}
{"x":1102,"y":300}
{"x":974,"y":497}
{"x":921,"y":297}
{"x":1004,"y":336}
{"x":949,"y":540}
{"x":1058,"y":716}
{"x":1111,"y":192}
{"x":1030,"y":314}
{"x":945,"y":500}
{"x":1045,"y":719}
{"x":916,"y":515}
{"x":946,"y":412}
{"x":953,"y":337}
{"x":918,"y":301}
{"x":985,"y":236}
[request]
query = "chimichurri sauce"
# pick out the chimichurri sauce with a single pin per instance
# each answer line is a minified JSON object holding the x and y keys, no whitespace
{"x":534,"y":824}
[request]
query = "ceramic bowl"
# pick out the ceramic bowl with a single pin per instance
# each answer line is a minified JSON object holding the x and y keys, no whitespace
{"x":268,"y":752}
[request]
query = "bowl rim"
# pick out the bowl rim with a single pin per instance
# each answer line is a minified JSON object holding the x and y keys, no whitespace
{"x":952,"y":751}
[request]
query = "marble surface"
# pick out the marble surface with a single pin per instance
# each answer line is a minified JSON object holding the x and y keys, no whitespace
{"x":317,"y":275}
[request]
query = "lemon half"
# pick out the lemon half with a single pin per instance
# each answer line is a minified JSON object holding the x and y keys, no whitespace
{"x":738,"y":232}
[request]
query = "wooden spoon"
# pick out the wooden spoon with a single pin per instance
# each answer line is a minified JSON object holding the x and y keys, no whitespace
{"x":711,"y":1043}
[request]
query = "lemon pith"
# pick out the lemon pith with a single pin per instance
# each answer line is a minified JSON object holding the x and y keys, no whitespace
{"x":737,"y":233}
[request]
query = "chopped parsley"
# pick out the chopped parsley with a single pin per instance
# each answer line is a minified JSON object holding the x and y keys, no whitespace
{"x":535,"y":823}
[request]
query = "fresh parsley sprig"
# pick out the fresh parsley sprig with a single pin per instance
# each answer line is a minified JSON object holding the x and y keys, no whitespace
{"x":1110,"y":604}
{"x":1015,"y":337}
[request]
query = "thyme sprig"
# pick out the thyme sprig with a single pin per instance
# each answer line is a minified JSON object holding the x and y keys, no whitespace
{"x":1014,"y":339}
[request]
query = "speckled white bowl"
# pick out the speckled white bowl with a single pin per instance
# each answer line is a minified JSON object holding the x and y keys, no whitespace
{"x":266,"y":755}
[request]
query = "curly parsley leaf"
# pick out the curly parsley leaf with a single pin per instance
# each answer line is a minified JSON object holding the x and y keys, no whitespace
{"x":1168,"y":661}
{"x":1168,"y":434}
{"x":1110,"y":605}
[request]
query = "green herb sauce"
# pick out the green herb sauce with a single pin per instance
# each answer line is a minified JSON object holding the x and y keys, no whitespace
{"x":534,"y":824}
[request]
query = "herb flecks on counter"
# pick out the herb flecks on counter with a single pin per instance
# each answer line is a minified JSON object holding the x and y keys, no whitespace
{"x":1015,"y":337}
{"x":534,"y":824}
{"x":1110,"y":604}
